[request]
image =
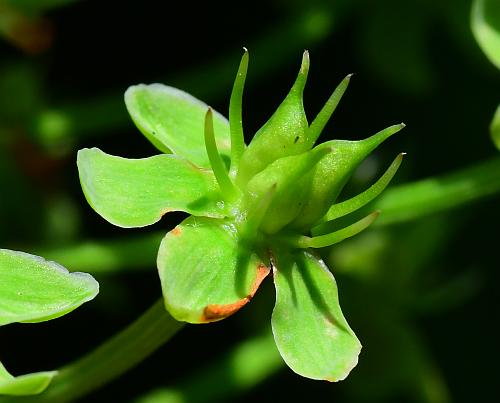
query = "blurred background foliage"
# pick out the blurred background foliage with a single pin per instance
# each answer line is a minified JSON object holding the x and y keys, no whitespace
{"x":419,"y":289}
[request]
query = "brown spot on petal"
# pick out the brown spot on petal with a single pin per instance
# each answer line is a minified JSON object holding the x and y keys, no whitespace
{"x":176,"y":231}
{"x":215,"y":312}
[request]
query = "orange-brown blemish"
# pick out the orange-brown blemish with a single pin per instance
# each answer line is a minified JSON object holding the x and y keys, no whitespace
{"x":176,"y":231}
{"x":215,"y":312}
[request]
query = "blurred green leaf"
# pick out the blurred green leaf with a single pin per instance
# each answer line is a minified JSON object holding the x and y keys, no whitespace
{"x":20,"y":93}
{"x":394,"y":45}
{"x":485,"y":24}
{"x":107,"y":256}
{"x":495,"y":128}
{"x":30,"y":384}
{"x":35,"y":290}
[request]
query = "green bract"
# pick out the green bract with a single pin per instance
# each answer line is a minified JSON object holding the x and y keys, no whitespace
{"x":485,"y":24}
{"x":35,"y":290}
{"x":256,"y":209}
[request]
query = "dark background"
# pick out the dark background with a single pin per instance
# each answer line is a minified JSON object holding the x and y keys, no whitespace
{"x":414,"y":61}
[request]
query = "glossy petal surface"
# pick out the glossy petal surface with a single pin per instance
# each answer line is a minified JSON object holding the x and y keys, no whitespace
{"x":35,"y":290}
{"x":206,"y":272}
{"x":138,"y":192}
{"x":173,"y":121}
{"x":310,"y":330}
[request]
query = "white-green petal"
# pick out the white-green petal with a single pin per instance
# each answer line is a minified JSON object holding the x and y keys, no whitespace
{"x":138,"y":192}
{"x":309,"y":328}
{"x":206,"y":273}
{"x":33,"y":289}
{"x":173,"y":121}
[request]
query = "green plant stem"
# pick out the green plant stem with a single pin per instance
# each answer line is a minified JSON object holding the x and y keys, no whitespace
{"x":106,"y":256}
{"x":418,"y":199}
{"x":242,"y":368}
{"x":111,"y":359}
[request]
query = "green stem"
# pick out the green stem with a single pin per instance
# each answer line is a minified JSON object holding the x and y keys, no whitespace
{"x":105,"y":256}
{"x":113,"y":358}
{"x":242,"y":368}
{"x":417,"y":199}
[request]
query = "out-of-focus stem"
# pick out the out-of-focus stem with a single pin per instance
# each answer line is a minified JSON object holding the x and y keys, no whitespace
{"x":111,"y":359}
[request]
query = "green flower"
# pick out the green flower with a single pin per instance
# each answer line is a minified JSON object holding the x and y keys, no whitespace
{"x":255,"y":209}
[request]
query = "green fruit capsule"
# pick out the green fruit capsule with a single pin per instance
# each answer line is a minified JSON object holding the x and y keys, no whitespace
{"x":332,"y":173}
{"x":292,"y":176}
{"x":284,"y":134}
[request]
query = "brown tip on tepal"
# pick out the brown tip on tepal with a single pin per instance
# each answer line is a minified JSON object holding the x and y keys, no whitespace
{"x":216,"y":312}
{"x":176,"y":231}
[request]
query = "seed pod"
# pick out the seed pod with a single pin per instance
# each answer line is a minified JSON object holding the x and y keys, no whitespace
{"x":284,"y":134}
{"x":292,"y":177}
{"x":332,"y":173}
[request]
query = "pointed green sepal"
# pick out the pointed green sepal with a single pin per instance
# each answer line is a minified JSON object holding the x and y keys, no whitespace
{"x":292,"y":176}
{"x":235,"y":113}
{"x":322,"y":241}
{"x":24,"y":385}
{"x":282,"y":135}
{"x":319,"y":123}
{"x":138,"y":192}
{"x":173,"y":121}
{"x":332,"y":173}
{"x":348,"y":206}
{"x":206,"y":272}
{"x":218,"y":168}
{"x":309,"y":328}
{"x":33,"y":289}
